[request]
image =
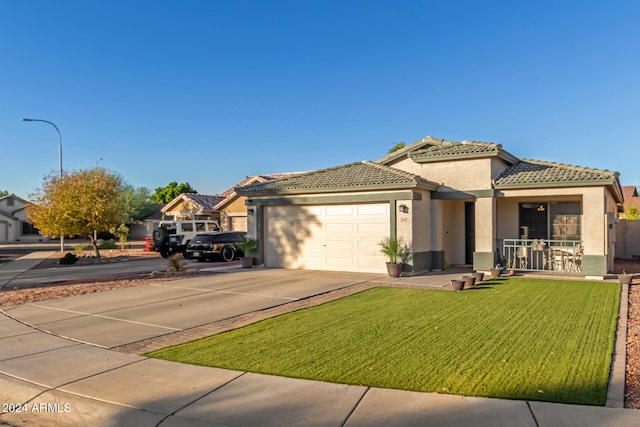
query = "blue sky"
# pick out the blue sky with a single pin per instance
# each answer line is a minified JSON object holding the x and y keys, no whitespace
{"x":208,"y":92}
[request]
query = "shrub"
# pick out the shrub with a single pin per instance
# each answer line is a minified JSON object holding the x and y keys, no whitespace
{"x":68,"y":259}
{"x":80,"y":248}
{"x":107,"y":244}
{"x":174,"y":263}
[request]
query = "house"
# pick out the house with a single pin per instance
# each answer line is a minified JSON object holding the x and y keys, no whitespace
{"x":145,"y":227}
{"x":631,"y":202}
{"x":14,"y":225}
{"x":454,"y":203}
{"x":228,"y":208}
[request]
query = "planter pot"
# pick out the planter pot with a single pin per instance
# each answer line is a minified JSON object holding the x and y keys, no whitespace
{"x":625,"y":279}
{"x":457,"y":285}
{"x":469,"y":281}
{"x":479,"y":276}
{"x":495,"y":272}
{"x":394,"y":269}
{"x":246,"y":262}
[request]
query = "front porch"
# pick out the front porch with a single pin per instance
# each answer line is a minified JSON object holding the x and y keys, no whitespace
{"x":563,"y":256}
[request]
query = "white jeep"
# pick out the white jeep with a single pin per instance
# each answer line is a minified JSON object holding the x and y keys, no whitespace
{"x":173,"y":236}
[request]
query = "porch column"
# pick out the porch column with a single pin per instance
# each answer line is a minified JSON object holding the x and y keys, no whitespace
{"x":484,"y":255}
{"x":437,"y":235}
{"x":595,"y":228}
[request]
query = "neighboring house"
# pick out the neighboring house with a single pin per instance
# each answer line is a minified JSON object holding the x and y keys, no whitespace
{"x":631,"y":202}
{"x":455,"y":203}
{"x":14,"y":225}
{"x":146,"y":226}
{"x":193,"y":206}
{"x":228,"y":208}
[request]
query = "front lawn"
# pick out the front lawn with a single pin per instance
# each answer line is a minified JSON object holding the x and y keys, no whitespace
{"x":517,"y":338}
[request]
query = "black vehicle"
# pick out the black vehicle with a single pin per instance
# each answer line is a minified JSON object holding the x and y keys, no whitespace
{"x":216,"y":245}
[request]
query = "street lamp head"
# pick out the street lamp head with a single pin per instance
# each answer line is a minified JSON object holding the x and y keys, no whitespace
{"x":27,"y":119}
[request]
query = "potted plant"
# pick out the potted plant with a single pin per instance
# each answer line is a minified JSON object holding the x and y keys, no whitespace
{"x":495,"y":271}
{"x":247,"y":244}
{"x":457,"y":284}
{"x":395,"y":250}
{"x":624,"y":278}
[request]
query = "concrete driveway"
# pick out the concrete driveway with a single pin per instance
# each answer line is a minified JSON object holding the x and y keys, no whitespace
{"x":119,"y":317}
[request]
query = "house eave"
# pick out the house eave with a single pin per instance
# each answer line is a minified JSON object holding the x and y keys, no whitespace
{"x":429,"y":186}
{"x":564,"y":184}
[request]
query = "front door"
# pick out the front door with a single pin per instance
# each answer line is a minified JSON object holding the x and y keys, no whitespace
{"x":469,"y":232}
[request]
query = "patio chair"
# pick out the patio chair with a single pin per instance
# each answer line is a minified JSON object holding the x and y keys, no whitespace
{"x":558,"y":259}
{"x":575,"y":259}
{"x":522,"y":257}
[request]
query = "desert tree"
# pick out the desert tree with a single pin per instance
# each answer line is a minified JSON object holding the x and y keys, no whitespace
{"x":171,"y":191}
{"x":78,"y":203}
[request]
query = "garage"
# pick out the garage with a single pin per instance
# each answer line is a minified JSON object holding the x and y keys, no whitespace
{"x":327,"y":237}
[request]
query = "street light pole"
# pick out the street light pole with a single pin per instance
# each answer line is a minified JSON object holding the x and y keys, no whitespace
{"x":27,"y":119}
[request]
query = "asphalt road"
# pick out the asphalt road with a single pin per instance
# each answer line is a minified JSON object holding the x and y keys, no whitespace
{"x":49,"y":275}
{"x":12,"y":251}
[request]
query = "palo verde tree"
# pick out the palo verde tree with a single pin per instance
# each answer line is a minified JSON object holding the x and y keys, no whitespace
{"x":135,"y":204}
{"x":79,"y":203}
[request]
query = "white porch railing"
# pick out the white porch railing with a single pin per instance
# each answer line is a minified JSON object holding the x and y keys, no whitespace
{"x":542,"y":255}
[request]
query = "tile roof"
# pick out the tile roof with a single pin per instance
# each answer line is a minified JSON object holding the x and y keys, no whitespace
{"x":631,"y":199}
{"x":202,"y":201}
{"x":350,"y":177}
{"x":536,"y":173}
{"x":629,"y":191}
{"x":430,"y":149}
{"x":231,"y":192}
{"x":449,"y":150}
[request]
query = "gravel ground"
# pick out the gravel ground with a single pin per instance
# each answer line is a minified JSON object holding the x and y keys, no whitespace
{"x":15,"y":296}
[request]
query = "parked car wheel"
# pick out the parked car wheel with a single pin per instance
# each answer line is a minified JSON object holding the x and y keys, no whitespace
{"x":228,"y":253}
{"x":184,"y":252}
{"x":165,"y":251}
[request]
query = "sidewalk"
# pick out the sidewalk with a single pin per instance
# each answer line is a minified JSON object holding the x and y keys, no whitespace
{"x":57,"y":381}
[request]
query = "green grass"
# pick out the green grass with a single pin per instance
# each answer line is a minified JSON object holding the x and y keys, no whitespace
{"x":534,"y":339}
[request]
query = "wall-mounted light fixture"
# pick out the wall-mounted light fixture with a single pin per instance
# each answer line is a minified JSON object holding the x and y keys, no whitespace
{"x":403,"y":208}
{"x":250,"y":211}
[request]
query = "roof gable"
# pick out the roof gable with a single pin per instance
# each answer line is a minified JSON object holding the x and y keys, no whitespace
{"x":360,"y":176}
{"x":200,"y":201}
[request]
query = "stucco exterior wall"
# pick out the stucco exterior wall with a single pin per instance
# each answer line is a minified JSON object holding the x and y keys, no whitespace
{"x":465,"y":174}
{"x":508,"y":221}
{"x":627,"y":239}
{"x":421,"y":224}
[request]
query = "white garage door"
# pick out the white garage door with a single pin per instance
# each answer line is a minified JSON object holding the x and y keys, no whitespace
{"x":332,"y":237}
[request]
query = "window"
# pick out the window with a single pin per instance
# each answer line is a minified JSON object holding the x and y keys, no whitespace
{"x":533,"y":221}
{"x":29,"y":229}
{"x":551,"y":220}
{"x":565,"y":221}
